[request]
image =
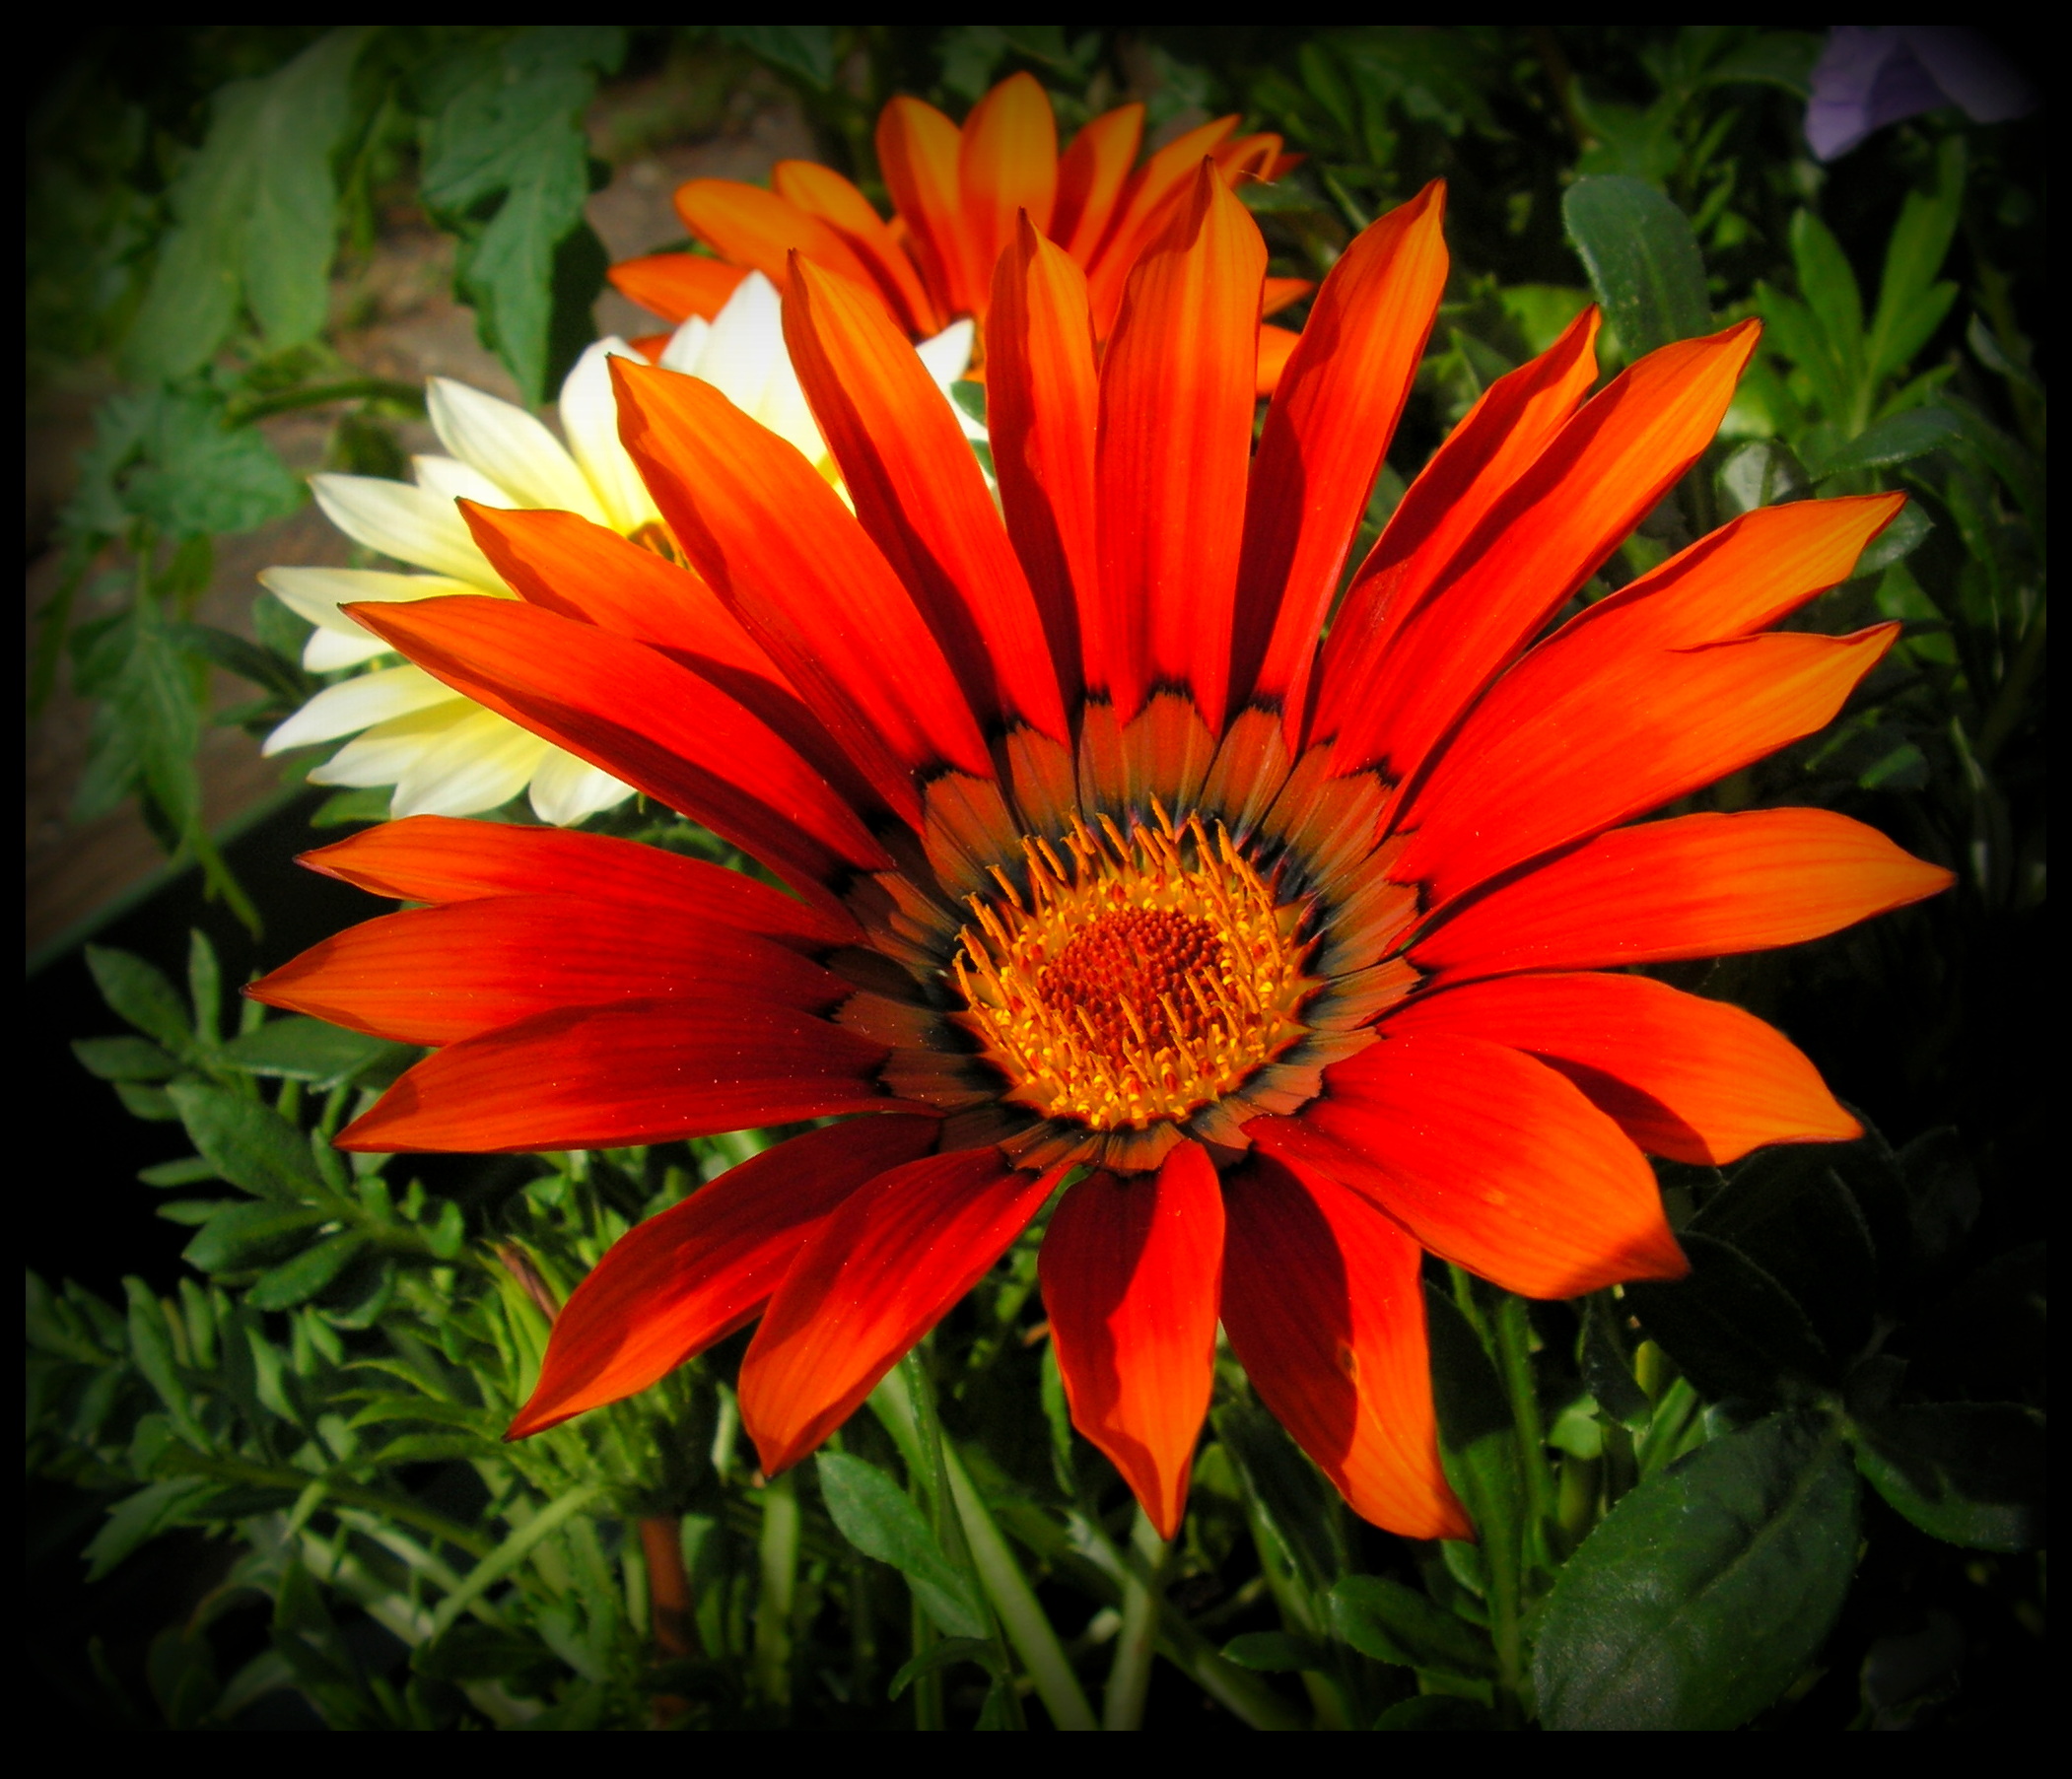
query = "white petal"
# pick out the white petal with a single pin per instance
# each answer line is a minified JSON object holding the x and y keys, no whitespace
{"x":406,"y":522}
{"x":686,"y":344}
{"x":385,"y":752}
{"x":453,"y":480}
{"x":589,"y":416}
{"x":317,"y":594}
{"x":510,"y":448}
{"x":565,"y":789}
{"x":479,"y":763}
{"x":946,"y":357}
{"x":358,"y":704}
{"x":326,"y":652}
{"x":746,"y":359}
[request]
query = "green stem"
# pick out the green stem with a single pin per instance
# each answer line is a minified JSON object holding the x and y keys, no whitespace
{"x":928,"y":1688}
{"x":1129,"y":1676}
{"x":1514,"y":1359}
{"x":778,"y":1555}
{"x":357,"y":389}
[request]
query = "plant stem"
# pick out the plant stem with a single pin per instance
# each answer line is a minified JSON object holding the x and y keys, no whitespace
{"x":779,"y":1559}
{"x":1514,"y":1359}
{"x":668,"y":1587}
{"x":1129,"y":1677}
{"x":928,"y":1688}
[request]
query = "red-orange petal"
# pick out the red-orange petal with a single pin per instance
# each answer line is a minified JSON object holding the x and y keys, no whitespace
{"x":436,"y":975}
{"x":1478,"y":462}
{"x":1277,"y":345}
{"x":669,"y":1288}
{"x":1091,"y":175}
{"x":1573,"y":741}
{"x":921,"y":497}
{"x":1694,"y":1080}
{"x":1693,"y":886}
{"x":624,"y":707}
{"x":438,"y":859}
{"x":1490,"y":1159}
{"x":822,"y":193}
{"x":1132,"y":1279}
{"x":638,"y":1073}
{"x":918,"y":150}
{"x":1278,"y":293}
{"x":1174,"y":450}
{"x":759,"y":230}
{"x":1042,"y":405}
{"x":1007,"y":165}
{"x":1325,"y":1308}
{"x":1597,"y":479}
{"x":677,"y":286}
{"x":1333,"y":416}
{"x":1154,"y":192}
{"x":882,"y":1271}
{"x":792,"y":565}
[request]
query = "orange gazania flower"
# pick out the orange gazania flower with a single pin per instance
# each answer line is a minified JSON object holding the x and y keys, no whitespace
{"x":955,"y":194}
{"x":1309,"y":954}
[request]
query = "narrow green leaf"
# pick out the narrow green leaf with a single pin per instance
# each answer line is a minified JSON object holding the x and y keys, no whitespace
{"x":1897,"y":439}
{"x":123,"y":1060}
{"x":982,"y":1651}
{"x":1437,"y":1711}
{"x":1290,"y":1492}
{"x":1971,"y":1473}
{"x":512,"y":1552}
{"x":300,"y":1278}
{"x":1393,"y":1623}
{"x":874,"y":1515}
{"x":141,"y":994}
{"x":1642,"y":259}
{"x":1707,"y":1589}
{"x":298,"y":1048}
{"x":1910,"y":303}
{"x":137,"y":1519}
{"x":248,"y":1143}
{"x":1274,"y":1652}
{"x":243,"y":1232}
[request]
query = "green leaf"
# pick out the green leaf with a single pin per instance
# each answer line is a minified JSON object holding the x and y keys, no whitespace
{"x":1777,"y":58}
{"x":250,"y":1144}
{"x":1707,"y":1589}
{"x":299,"y":1048}
{"x":123,"y":1060}
{"x":1760,"y":473}
{"x":1910,"y":303}
{"x":1608,"y":1374}
{"x":1971,"y":1473}
{"x":1642,"y":259}
{"x":1730,"y":1326}
{"x":141,"y":1517}
{"x":1475,"y":1435}
{"x":141,"y":994}
{"x":234,"y":1237}
{"x":1274,"y":1652}
{"x":194,"y":473}
{"x":1897,"y":439}
{"x":1289,"y":1491}
{"x":299,"y":1280}
{"x":1437,"y":1711}
{"x":1393,"y":1623}
{"x":1899,"y":539}
{"x":874,"y":1515}
{"x":255,"y":212}
{"x":947,"y":1654}
{"x":1830,"y":289}
{"x":805,"y":50}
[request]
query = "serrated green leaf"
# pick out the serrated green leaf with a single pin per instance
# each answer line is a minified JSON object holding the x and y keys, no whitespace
{"x":874,"y":1515}
{"x":1897,"y":439}
{"x":1391,"y":1622}
{"x":298,"y":1048}
{"x":300,"y":1278}
{"x":1642,"y":259}
{"x":1707,"y":1589}
{"x":140,"y":993}
{"x":250,"y":1144}
{"x":235,"y":1237}
{"x":1828,"y":287}
{"x":141,"y":1517}
{"x":123,"y":1058}
{"x":1971,"y":1473}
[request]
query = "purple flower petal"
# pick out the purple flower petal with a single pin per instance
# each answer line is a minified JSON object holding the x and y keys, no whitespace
{"x":1974,"y":74}
{"x":1866,"y":78}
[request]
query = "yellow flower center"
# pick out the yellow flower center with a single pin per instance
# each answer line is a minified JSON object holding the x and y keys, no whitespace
{"x":1145,"y":980}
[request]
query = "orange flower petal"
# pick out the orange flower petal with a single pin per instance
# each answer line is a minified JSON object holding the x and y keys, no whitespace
{"x":1006,"y":163}
{"x":919,"y":494}
{"x":792,"y":565}
{"x":1325,"y":1307}
{"x":1597,"y":479}
{"x":624,"y":707}
{"x":1153,"y":194}
{"x":1277,"y":345}
{"x":436,"y":975}
{"x":822,"y":193}
{"x":677,"y":286}
{"x":881,"y":1273}
{"x":1491,"y":1160}
{"x":1478,"y":462}
{"x":1174,"y":450}
{"x":1278,"y":293}
{"x":1696,"y":1080}
{"x":1042,"y":403}
{"x":438,"y":858}
{"x":1131,"y":1280}
{"x":759,"y":230}
{"x":638,"y":1073}
{"x":1695,"y":886}
{"x":918,"y":151}
{"x":1570,"y":742}
{"x":1091,"y":179}
{"x":669,"y":1288}
{"x":1334,"y":413}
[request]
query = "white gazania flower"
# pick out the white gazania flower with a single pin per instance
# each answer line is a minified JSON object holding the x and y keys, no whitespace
{"x":446,"y":754}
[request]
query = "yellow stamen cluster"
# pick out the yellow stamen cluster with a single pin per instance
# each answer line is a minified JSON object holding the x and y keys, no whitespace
{"x":1144,"y":979}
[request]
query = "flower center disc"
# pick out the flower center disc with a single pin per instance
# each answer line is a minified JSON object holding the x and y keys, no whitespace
{"x":1146,"y":979}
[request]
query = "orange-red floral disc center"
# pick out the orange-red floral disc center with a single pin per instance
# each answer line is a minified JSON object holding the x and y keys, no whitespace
{"x":1147,"y":978}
